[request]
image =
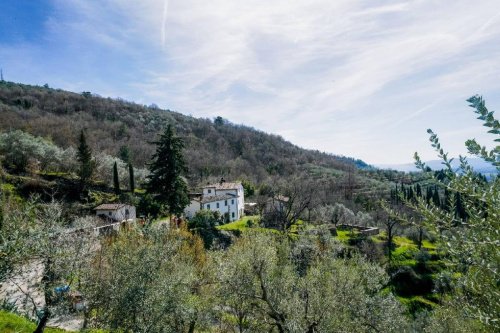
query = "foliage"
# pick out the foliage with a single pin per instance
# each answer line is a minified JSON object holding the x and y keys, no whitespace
{"x":248,"y":188}
{"x":204,"y":224}
{"x":288,"y":202}
{"x":471,"y":241}
{"x":211,"y":150}
{"x":34,"y":237}
{"x":149,"y":281}
{"x":116,"y":181}
{"x":131,"y":177}
{"x":263,"y":287}
{"x":20,"y":150}
{"x":87,"y":164}
{"x":165,"y":181}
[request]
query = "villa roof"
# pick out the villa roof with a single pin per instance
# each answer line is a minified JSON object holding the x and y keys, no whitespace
{"x":113,"y":206}
{"x":224,"y":186}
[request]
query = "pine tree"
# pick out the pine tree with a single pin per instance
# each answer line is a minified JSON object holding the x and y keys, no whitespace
{"x":165,"y":182}
{"x":131,"y":177}
{"x":87,"y":165}
{"x":116,"y":181}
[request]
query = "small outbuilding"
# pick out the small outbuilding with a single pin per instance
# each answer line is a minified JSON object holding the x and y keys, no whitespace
{"x":116,"y":212}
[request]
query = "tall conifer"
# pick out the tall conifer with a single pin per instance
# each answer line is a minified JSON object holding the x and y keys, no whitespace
{"x":165,"y":182}
{"x":131,"y":177}
{"x":116,"y":181}
{"x":84,"y":156}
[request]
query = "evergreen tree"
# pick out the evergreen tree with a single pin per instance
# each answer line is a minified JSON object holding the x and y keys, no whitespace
{"x":116,"y":181}
{"x":419,"y":191}
{"x":459,"y":207}
{"x":435,"y":198}
{"x":165,"y":182}
{"x":124,"y":154}
{"x":411,"y":194}
{"x":131,"y":177}
{"x":84,"y":156}
{"x":447,"y":200}
{"x":428,"y":195}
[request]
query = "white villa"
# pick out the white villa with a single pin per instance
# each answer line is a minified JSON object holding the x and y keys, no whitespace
{"x":226,"y":198}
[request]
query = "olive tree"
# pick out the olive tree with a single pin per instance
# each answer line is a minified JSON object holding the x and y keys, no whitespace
{"x":150,"y":280}
{"x":471,"y":241}
{"x":262,"y":288}
{"x":41,"y":249}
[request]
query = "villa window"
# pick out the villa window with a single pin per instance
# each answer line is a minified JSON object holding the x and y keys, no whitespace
{"x":225,"y":203}
{"x":209,"y":191}
{"x":217,"y":205}
{"x":208,"y":207}
{"x":232,"y":214}
{"x":232,"y":201}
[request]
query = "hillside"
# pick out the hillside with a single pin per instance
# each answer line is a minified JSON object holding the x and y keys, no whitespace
{"x":213,"y":148}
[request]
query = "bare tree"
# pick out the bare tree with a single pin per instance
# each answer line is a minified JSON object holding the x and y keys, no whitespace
{"x":288,"y":202}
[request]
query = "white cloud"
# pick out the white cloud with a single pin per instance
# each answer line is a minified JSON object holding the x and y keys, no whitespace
{"x":349,"y":77}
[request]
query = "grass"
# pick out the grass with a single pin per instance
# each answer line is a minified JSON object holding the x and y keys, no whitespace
{"x":241,"y":225}
{"x":12,"y":323}
{"x":417,"y":303}
{"x":345,"y":235}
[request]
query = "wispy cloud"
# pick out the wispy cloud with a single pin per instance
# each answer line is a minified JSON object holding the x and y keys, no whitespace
{"x":359,"y":78}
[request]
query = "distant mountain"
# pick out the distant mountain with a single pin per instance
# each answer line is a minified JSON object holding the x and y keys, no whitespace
{"x":478,"y":164}
{"x":214,"y":148}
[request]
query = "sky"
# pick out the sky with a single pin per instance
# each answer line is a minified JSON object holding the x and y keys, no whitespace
{"x":363,"y":79}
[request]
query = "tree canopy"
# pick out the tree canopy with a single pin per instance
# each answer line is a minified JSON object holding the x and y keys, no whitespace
{"x":166,"y":182}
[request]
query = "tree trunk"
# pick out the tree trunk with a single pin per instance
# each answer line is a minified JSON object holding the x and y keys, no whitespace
{"x":43,"y":321}
{"x":192,"y":325}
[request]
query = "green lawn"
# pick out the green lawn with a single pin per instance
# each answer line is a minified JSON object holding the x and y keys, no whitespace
{"x":12,"y":323}
{"x":241,"y":224}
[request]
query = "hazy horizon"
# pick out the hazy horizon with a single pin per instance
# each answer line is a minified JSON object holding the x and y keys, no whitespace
{"x":354,"y":78}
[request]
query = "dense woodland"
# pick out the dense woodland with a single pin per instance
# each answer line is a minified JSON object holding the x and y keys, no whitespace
{"x":302,"y":269}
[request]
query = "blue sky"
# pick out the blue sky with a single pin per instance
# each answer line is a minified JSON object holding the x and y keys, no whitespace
{"x":358,"y":78}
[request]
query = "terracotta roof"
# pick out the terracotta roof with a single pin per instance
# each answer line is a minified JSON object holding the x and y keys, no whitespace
{"x":114,"y":206}
{"x":224,"y":186}
{"x":213,"y":198}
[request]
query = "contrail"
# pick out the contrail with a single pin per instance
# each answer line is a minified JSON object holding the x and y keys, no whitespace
{"x":164,"y":23}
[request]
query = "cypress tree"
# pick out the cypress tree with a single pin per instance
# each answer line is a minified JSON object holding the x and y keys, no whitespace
{"x":131,"y":177}
{"x":84,"y":156}
{"x":165,"y":181}
{"x":419,"y":191}
{"x":116,"y":181}
{"x":428,"y":195}
{"x":411,"y":194}
{"x":459,"y":207}
{"x":435,"y":198}
{"x":447,"y":200}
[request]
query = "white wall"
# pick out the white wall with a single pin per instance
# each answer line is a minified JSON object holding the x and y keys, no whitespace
{"x":193,"y":207}
{"x":232,"y":207}
{"x":119,"y":214}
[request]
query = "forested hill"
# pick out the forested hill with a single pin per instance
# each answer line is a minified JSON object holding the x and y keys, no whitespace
{"x":214,"y":148}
